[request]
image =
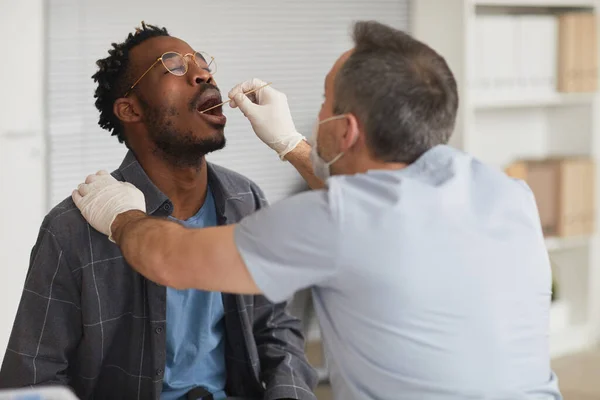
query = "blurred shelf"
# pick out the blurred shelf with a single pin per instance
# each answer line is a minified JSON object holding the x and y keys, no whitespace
{"x":536,"y":3}
{"x":559,"y":316}
{"x":566,"y":338}
{"x":572,"y":339}
{"x":566,"y":243}
{"x":518,"y":100}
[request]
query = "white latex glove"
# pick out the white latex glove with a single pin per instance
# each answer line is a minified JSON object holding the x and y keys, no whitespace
{"x":269,"y":115}
{"x":101,"y":198}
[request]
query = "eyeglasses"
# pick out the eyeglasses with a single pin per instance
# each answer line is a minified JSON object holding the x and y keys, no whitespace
{"x":177,"y":64}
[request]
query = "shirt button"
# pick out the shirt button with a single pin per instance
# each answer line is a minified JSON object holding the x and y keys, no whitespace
{"x":158,"y":330}
{"x":159,"y":372}
{"x":167,"y":207}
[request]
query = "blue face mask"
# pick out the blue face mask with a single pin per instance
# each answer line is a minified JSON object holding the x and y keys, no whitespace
{"x":320,"y":166}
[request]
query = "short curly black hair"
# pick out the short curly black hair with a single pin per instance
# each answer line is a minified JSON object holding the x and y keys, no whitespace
{"x":113,"y":77}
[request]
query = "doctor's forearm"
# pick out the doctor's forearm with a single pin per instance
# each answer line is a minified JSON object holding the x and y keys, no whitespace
{"x":146,"y":243}
{"x":171,"y":255}
{"x":300,"y":159}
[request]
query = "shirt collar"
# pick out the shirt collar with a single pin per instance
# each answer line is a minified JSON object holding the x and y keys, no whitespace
{"x":219,"y":193}
{"x":156,"y":201}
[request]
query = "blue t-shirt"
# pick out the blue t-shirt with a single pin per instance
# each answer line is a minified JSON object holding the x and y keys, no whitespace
{"x":195,"y":331}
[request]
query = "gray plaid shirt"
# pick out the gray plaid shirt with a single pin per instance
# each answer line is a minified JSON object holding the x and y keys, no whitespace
{"x":86,"y":319}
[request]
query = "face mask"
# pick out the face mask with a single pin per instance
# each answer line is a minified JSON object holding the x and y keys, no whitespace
{"x":320,"y":166}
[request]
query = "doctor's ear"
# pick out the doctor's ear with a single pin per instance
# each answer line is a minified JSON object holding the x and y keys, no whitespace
{"x":127,"y":110}
{"x":352,"y":131}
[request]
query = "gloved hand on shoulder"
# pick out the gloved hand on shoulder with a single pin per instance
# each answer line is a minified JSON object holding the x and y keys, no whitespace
{"x":102,"y":198}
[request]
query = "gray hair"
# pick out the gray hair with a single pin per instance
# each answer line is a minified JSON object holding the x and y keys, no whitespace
{"x":400,"y":89}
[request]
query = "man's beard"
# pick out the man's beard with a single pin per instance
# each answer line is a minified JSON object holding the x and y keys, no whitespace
{"x":181,"y":149}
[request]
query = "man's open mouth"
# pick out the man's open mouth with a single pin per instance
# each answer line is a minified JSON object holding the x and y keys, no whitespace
{"x":209,"y":108}
{"x":207,"y":105}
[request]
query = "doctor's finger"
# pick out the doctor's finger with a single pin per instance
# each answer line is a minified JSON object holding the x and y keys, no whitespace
{"x":96,"y":176}
{"x":83,"y":189}
{"x":245,"y":87}
{"x":77,"y":198}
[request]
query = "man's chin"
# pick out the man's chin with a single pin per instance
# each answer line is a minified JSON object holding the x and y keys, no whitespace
{"x":216,"y":142}
{"x":190,"y":153}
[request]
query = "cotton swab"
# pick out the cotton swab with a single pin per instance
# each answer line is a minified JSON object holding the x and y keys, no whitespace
{"x":225,"y":102}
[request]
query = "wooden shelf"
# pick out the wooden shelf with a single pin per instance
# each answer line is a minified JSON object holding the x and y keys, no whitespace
{"x":566,"y":243}
{"x":532,"y":100}
{"x":536,"y":3}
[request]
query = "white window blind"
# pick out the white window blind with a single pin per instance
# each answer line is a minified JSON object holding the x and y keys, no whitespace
{"x":290,"y":43}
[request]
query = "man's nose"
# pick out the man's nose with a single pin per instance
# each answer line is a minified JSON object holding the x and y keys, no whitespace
{"x":199,"y":75}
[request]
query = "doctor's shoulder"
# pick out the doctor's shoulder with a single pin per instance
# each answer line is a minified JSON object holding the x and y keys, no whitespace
{"x":503,"y":186}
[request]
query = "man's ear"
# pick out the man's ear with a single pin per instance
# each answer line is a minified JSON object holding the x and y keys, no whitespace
{"x":127,"y":110}
{"x":353,"y":131}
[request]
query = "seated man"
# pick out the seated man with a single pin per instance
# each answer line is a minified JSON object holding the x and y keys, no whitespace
{"x":87,"y":320}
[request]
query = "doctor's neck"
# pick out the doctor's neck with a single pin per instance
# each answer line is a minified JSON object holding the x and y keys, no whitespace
{"x":372,"y":165}
{"x":362,"y":163}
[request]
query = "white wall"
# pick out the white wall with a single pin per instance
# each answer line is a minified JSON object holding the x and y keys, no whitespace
{"x":22,"y":178}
